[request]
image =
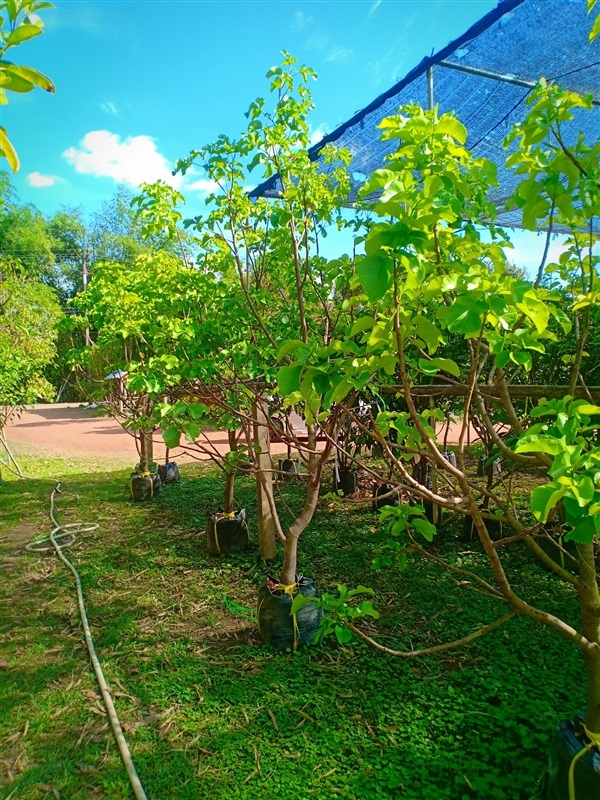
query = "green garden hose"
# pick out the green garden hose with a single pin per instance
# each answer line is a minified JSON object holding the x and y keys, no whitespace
{"x":69,"y":531}
{"x":594,"y":741}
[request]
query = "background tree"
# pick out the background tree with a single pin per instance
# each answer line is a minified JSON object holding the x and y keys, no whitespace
{"x":24,"y":235}
{"x":29,"y":315}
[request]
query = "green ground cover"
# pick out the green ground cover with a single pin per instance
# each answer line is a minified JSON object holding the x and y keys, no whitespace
{"x":210,"y":712}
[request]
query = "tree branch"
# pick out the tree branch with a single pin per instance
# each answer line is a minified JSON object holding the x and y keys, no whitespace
{"x":438,"y":648}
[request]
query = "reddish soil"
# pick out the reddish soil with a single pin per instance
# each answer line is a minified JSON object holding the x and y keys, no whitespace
{"x":70,"y":430}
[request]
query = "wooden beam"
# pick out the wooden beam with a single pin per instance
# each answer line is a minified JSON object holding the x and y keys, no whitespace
{"x":266,"y":523}
{"x":516,"y":391}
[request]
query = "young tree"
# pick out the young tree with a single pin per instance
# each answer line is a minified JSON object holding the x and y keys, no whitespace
{"x":122,"y":305}
{"x":428,"y":275}
{"x":281,"y":290}
{"x":19,"y":22}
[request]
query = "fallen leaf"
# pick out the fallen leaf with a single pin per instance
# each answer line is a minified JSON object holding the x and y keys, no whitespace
{"x":89,"y":768}
{"x":252,"y":774}
{"x":327,"y":774}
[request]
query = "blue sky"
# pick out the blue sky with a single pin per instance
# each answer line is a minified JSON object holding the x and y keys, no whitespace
{"x":139,"y":83}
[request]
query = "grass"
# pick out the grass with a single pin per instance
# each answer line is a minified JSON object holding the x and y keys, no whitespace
{"x":208,"y":710}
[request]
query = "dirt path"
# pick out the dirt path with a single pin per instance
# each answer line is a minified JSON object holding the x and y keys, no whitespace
{"x":70,"y":430}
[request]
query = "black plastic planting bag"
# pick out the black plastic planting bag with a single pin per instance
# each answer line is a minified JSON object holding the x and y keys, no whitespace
{"x":554,"y":546}
{"x":494,"y":528}
{"x":227,"y":533}
{"x":377,"y":450}
{"x":169,"y":472}
{"x":564,"y":747}
{"x":380,"y":501}
{"x":144,"y":486}
{"x":275,"y":623}
{"x":288,"y":468}
{"x":346,"y":480}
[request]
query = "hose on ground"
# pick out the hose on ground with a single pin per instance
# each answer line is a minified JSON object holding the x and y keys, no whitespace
{"x":68,"y":532}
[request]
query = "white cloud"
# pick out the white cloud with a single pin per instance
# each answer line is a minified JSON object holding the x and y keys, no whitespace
{"x":301,"y":21}
{"x":374,"y":7}
{"x":318,"y":41}
{"x":340,"y":55}
{"x":109,"y":107}
{"x":39,"y":181}
{"x":84,"y":17}
{"x":203,"y":186}
{"x":319,"y":133}
{"x":134,"y":160}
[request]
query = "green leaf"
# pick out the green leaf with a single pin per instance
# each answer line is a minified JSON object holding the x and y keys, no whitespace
{"x":595,"y":32}
{"x":360,"y":589}
{"x":588,"y":408}
{"x":540,"y":444}
{"x":375,"y":273}
{"x":300,"y":601}
{"x":583,"y":488}
{"x":464,"y":316}
{"x":450,"y":126}
{"x":172,"y":437}
{"x":8,"y":151}
{"x":426,"y":330}
{"x":27,"y":73}
{"x":362,"y":324}
{"x":197,"y":410}
{"x":341,"y":390}
{"x":366,"y":609}
{"x":12,"y":82}
{"x":255,"y":162}
{"x":424,"y":527}
{"x":523,"y":358}
{"x":574,"y":511}
{"x":291,"y":346}
{"x":583,"y":532}
{"x":22,"y":34}
{"x":544,"y":499}
{"x":192,"y":431}
{"x":436,"y":364}
{"x":502,"y":359}
{"x":288,"y":379}
{"x":320,"y":382}
{"x":537,"y":312}
{"x":343,"y":635}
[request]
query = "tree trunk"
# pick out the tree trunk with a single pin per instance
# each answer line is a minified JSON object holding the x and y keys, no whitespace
{"x":146,"y":450}
{"x":229,"y":487}
{"x":290,"y":559}
{"x":589,"y":602}
{"x":228,"y":498}
{"x":290,"y":548}
{"x":264,"y":482}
